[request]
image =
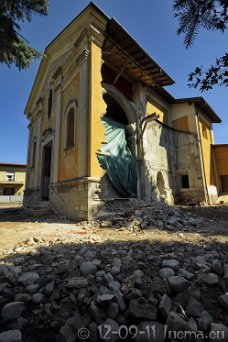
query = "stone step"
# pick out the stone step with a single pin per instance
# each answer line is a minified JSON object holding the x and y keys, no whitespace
{"x":40,"y":208}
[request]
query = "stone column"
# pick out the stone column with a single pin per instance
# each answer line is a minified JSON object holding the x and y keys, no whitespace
{"x":38,"y":154}
{"x":56,"y":147}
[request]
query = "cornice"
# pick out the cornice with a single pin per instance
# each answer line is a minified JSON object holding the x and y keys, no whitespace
{"x":88,"y":27}
{"x":57,"y":73}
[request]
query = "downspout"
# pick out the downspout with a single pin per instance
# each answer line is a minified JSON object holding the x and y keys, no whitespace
{"x":201,"y":156}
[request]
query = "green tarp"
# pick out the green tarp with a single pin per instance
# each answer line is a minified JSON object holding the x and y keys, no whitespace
{"x":117,"y":160}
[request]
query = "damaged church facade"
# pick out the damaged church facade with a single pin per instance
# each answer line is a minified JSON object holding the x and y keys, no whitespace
{"x":103,"y":128}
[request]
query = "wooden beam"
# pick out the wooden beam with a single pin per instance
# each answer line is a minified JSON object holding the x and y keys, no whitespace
{"x":120,"y":72}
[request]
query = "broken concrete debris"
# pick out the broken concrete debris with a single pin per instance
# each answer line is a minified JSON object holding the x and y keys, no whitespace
{"x":156,"y":215}
{"x":77,"y":290}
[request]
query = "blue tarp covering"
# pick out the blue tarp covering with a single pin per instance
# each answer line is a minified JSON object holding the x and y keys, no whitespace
{"x":117,"y":160}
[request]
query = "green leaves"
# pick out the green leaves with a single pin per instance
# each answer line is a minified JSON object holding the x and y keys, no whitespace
{"x":217,"y":74}
{"x":24,"y":9}
{"x":14,"y":48}
{"x":211,"y":15}
{"x":193,"y":14}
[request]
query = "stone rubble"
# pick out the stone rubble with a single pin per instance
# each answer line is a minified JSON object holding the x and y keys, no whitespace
{"x":64,"y":291}
{"x":156,"y":215}
{"x":133,"y":284}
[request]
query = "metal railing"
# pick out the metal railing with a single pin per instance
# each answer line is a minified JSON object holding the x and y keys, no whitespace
{"x":15,"y":198}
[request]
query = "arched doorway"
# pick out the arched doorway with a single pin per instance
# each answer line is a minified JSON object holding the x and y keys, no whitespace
{"x":114,"y":111}
{"x":116,"y":157}
{"x":46,"y":173}
{"x":120,"y":99}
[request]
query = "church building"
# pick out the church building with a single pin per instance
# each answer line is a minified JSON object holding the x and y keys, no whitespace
{"x":103,"y":127}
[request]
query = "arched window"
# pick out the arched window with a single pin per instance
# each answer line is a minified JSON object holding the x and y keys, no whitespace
{"x":34,"y":148}
{"x":50,"y":100}
{"x":70,"y":124}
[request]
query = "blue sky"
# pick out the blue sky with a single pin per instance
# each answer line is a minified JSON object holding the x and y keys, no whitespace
{"x":153,"y":26}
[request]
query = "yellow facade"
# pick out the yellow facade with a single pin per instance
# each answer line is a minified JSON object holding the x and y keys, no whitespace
{"x":152,"y":108}
{"x":68,"y":166}
{"x":97,"y":110}
{"x":207,"y":141}
{"x":181,"y":124}
{"x":85,"y":65}
{"x":12,"y":176}
{"x":221,"y":158}
{"x":183,"y":117}
{"x":221,"y":155}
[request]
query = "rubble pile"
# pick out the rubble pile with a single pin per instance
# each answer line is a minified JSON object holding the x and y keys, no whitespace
{"x":156,"y":215}
{"x":115,"y":291}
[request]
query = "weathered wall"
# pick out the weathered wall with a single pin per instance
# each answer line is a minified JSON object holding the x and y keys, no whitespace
{"x":181,"y":124}
{"x":185,"y":113}
{"x":70,"y":60}
{"x":73,"y":69}
{"x":19,"y":181}
{"x":207,"y":141}
{"x":152,"y":107}
{"x":188,"y":153}
{"x":188,"y":163}
{"x":19,"y":173}
{"x":155,"y":150}
{"x":69,"y":157}
{"x":221,"y":155}
{"x":157,"y":143}
{"x":70,"y":198}
{"x":75,"y":195}
{"x":33,"y":171}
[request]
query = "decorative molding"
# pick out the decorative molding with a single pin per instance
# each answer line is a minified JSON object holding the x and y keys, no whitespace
{"x":57,"y":73}
{"x":58,"y":87}
{"x":84,"y":56}
{"x":83,"y":36}
{"x":68,"y":80}
{"x":72,"y":104}
{"x":39,"y":102}
{"x":48,"y":134}
{"x":33,"y":115}
{"x":95,"y":35}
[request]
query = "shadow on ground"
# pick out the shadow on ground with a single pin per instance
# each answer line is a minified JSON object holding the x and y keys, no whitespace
{"x":52,"y":296}
{"x":17,"y":214}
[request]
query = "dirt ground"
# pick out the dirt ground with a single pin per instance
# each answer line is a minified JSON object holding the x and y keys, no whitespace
{"x":16,"y":228}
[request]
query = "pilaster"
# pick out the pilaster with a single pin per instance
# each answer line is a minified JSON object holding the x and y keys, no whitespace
{"x":56,"y":152}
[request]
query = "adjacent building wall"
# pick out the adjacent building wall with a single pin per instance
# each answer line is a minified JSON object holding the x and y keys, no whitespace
{"x":19,"y":180}
{"x":221,"y":157}
{"x":188,"y":153}
{"x":207,"y":139}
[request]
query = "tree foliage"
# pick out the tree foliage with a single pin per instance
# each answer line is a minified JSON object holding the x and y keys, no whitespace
{"x":14,"y":49}
{"x":211,"y":15}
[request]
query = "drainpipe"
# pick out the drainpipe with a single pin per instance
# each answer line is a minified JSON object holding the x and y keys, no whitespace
{"x":201,"y":157}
